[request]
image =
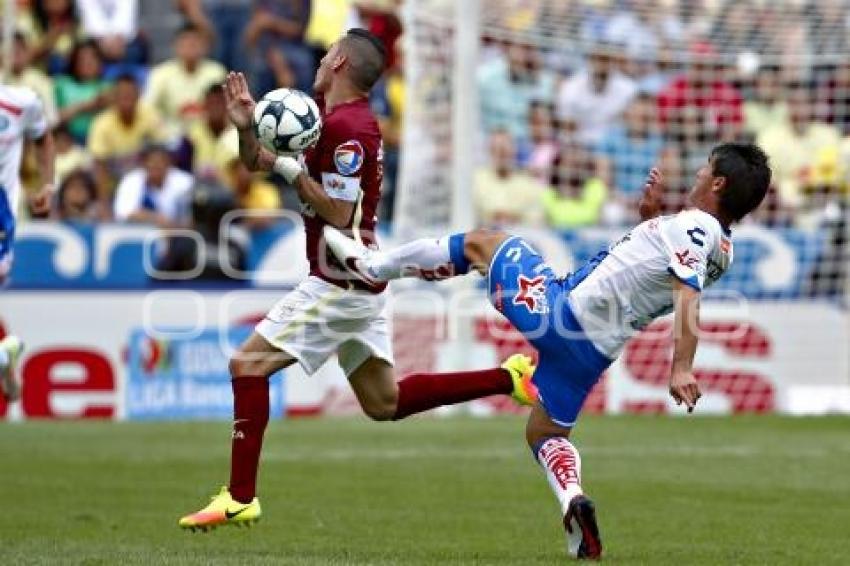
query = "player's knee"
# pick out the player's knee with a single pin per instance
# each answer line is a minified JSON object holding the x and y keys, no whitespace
{"x":240,"y":367}
{"x":381,"y":408}
{"x":380,"y":411}
{"x":538,"y":430}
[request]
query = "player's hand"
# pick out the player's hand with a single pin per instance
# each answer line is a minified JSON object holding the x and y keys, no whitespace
{"x":41,"y":202}
{"x":652,"y":199}
{"x":240,"y":104}
{"x":684,"y":389}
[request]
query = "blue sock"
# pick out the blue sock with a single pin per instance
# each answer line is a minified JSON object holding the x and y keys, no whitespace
{"x":456,"y":255}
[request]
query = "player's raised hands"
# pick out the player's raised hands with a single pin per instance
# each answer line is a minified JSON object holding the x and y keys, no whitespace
{"x":240,"y":103}
{"x":652,"y":199}
{"x":684,"y":389}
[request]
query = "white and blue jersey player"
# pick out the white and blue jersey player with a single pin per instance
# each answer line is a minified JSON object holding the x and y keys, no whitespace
{"x":579,"y":323}
{"x":21,"y":118}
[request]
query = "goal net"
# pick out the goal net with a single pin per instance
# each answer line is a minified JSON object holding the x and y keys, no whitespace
{"x":549,"y":121}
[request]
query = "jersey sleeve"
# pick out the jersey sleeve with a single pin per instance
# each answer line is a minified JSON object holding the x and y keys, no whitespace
{"x":35,"y":120}
{"x":341,"y":169}
{"x":688,"y":239}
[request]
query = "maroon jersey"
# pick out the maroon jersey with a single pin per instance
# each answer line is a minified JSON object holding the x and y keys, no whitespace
{"x":348,"y":162}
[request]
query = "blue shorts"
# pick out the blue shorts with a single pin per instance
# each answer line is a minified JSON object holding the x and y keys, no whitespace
{"x":529,"y":294}
{"x":7,"y":231}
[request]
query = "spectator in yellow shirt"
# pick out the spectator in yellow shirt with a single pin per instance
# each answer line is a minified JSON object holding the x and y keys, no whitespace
{"x":51,"y":28}
{"x":213,"y":138}
{"x":504,"y":195}
{"x":578,"y":194}
{"x":119,"y":134}
{"x":259,"y":198}
{"x":176,"y":87}
{"x":797,"y":149}
{"x":766,"y":109}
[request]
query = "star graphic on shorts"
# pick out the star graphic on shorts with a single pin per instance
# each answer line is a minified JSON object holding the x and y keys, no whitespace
{"x":527,"y":288}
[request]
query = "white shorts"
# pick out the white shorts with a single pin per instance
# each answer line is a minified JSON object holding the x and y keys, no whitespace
{"x":318,"y":319}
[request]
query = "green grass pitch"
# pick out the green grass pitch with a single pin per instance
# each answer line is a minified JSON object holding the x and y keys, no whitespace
{"x":750,"y":490}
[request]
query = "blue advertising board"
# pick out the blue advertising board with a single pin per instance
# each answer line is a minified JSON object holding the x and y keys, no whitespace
{"x":186,"y":377}
{"x":770,"y":263}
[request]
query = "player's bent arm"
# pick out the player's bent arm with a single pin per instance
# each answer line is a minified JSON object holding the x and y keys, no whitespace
{"x":336,"y":212}
{"x":683,"y":384}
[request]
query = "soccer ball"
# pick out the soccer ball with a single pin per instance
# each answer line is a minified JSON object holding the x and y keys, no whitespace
{"x":287,"y":121}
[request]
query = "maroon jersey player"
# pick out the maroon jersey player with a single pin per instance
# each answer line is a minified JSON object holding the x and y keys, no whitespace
{"x":329,"y":313}
{"x":348,"y":162}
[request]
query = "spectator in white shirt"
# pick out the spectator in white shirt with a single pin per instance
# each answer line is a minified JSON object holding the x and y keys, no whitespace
{"x":156,"y":193}
{"x":595,"y":97}
{"x":114,"y":25}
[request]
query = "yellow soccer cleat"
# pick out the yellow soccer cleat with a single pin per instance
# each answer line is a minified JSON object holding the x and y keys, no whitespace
{"x":9,"y":386}
{"x":521,"y":370}
{"x":223,"y":510}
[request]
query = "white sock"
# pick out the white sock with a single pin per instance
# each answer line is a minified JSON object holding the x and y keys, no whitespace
{"x":427,"y":258}
{"x":4,"y":359}
{"x":562,"y":464}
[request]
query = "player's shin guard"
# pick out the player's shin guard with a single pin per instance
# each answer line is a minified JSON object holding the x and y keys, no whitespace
{"x":562,"y":464}
{"x":422,"y":391}
{"x":426,"y":258}
{"x":250,"y":417}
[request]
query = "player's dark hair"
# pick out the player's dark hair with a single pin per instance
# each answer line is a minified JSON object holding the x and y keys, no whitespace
{"x":187,"y":27}
{"x":747,"y":172}
{"x":366,"y":57}
{"x":127,"y":77}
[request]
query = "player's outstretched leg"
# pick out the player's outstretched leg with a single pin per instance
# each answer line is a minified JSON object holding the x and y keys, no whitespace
{"x":426,"y":258}
{"x":11,"y":349}
{"x":420,"y":392}
{"x":562,"y":464}
{"x":383,"y":398}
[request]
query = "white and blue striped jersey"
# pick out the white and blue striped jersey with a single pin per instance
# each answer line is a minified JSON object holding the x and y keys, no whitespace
{"x":633,"y":284}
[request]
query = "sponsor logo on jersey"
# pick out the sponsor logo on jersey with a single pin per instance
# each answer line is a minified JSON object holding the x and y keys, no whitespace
{"x":725,"y":245}
{"x":348,"y":157}
{"x":532,"y":294}
{"x":685,"y":258}
{"x":341,"y":187}
{"x":697,"y":234}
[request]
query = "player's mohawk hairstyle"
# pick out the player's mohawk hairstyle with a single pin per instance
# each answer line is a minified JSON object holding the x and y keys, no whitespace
{"x":367,"y":57}
{"x":371,"y":38}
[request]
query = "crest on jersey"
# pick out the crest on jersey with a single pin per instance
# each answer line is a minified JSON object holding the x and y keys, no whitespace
{"x":532,"y":294}
{"x":348,"y":157}
{"x":725,"y":245}
{"x":4,"y":123}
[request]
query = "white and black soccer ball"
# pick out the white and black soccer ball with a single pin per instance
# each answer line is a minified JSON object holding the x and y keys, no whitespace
{"x":287,"y":121}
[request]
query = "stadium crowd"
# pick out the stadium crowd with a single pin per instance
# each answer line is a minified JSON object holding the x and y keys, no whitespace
{"x":140,"y":140}
{"x":578,"y":99}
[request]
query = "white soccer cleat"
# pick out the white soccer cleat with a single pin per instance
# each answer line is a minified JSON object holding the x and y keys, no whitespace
{"x":9,"y":386}
{"x":353,"y":255}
